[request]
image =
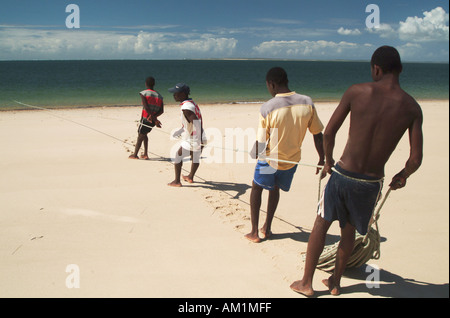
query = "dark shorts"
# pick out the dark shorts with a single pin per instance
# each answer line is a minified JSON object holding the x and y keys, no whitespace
{"x":145,"y":126}
{"x":268,"y":178}
{"x":350,"y":197}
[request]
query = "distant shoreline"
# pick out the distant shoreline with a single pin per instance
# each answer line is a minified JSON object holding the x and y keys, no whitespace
{"x":224,"y":59}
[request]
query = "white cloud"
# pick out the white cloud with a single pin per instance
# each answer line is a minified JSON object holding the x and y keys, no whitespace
{"x":31,"y":43}
{"x":204,"y":45}
{"x":433,"y":27}
{"x":385,"y":31}
{"x":420,"y":52}
{"x":343,"y":31}
{"x":310,"y":49}
{"x":274,"y":39}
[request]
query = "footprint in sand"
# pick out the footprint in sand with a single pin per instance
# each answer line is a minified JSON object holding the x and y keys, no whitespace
{"x":230,"y":211}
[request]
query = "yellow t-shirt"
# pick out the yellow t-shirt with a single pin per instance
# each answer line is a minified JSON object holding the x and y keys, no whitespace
{"x":283,"y":123}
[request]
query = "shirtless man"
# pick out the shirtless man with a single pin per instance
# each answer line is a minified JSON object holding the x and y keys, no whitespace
{"x":380,"y":113}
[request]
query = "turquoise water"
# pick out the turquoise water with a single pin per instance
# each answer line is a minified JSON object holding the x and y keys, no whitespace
{"x":103,"y":83}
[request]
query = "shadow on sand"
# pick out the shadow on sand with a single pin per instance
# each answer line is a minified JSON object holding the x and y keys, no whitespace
{"x":392,"y":285}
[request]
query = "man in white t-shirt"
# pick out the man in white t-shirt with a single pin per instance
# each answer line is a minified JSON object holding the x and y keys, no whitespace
{"x":192,"y":134}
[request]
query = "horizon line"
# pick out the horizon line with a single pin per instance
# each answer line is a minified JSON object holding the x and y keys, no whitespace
{"x":213,"y":59}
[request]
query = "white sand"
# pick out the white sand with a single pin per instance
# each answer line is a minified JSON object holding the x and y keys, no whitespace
{"x":70,"y":195}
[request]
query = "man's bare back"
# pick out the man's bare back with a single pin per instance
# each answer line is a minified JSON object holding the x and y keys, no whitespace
{"x":380,"y":113}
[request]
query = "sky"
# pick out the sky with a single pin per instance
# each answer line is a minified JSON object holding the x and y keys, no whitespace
{"x":199,"y":29}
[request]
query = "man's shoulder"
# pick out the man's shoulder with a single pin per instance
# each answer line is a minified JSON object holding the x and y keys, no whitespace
{"x":152,"y":93}
{"x":412,"y":105}
{"x":291,"y":98}
{"x":285,"y":100}
{"x":362,"y":87}
{"x":188,"y":105}
{"x":302,"y":99}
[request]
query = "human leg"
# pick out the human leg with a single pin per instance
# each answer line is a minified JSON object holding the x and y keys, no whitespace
{"x":315,"y":247}
{"x":144,"y":128}
{"x":255,"y":205}
{"x":345,"y":249}
{"x":190,"y":177}
{"x":195,"y":159}
{"x":178,"y":164}
{"x":282,"y":179}
{"x":140,"y":139}
{"x":145,"y":141}
{"x":274,"y":198}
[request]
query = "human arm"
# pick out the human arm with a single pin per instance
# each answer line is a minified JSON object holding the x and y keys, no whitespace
{"x":160,"y":112}
{"x":191,"y":117}
{"x":262,"y":138}
{"x":151,"y":117}
{"x":335,"y":123}
{"x":318,"y":142}
{"x":257,"y":150}
{"x":155,"y":117}
{"x":177,"y":133}
{"x":145,"y":104}
{"x":416,"y":154}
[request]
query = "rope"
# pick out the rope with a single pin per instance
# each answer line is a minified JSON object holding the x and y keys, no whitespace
{"x":366,"y":247}
{"x":167,"y":133}
{"x":75,"y":122}
{"x":356,"y":179}
{"x":53,"y":113}
{"x":162,"y":131}
{"x":265,"y":158}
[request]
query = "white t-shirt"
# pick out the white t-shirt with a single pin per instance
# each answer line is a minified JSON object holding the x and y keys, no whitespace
{"x":190,"y":142}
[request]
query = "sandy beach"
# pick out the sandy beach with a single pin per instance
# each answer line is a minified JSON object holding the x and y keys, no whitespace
{"x":80,"y":219}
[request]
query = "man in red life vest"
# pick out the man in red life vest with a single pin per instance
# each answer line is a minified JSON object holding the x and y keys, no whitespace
{"x":153,"y":107}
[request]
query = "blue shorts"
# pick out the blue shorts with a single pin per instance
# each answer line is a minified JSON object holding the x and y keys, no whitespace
{"x":268,"y":178}
{"x":350,"y":197}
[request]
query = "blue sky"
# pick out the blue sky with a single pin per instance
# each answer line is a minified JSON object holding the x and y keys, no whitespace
{"x":173,"y":29}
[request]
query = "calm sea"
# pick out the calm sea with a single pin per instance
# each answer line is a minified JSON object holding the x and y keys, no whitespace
{"x":104,"y":83}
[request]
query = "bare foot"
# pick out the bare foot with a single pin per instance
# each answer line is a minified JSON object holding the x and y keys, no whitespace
{"x":145,"y":157}
{"x":133,"y":157}
{"x":175,"y":184}
{"x":334,"y":289}
{"x":300,"y":288}
{"x":188,"y":179}
{"x":266,"y":234}
{"x":253,"y":238}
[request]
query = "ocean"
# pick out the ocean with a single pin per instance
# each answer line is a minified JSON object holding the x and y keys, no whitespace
{"x":57,"y":84}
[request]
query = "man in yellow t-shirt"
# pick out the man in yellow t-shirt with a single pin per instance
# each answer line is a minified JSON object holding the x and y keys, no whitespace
{"x":284,"y":121}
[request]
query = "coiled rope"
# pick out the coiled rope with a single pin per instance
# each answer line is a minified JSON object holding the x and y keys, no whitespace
{"x":366,"y":247}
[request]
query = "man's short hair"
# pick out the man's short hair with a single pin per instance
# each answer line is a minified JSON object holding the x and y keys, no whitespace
{"x":388,"y":59}
{"x":278,"y":76}
{"x":150,"y":81}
